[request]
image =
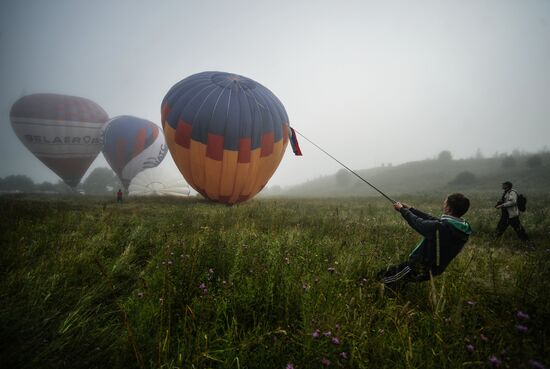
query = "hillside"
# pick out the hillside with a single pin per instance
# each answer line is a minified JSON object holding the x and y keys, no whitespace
{"x":430,"y":176}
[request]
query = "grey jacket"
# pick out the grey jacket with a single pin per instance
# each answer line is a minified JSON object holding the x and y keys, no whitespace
{"x":510,"y":203}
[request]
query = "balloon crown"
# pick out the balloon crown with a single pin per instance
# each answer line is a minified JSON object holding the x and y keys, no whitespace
{"x":231,"y":80}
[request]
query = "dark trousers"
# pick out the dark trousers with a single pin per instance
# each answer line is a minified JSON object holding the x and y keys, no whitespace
{"x":505,"y":221}
{"x":404,"y":272}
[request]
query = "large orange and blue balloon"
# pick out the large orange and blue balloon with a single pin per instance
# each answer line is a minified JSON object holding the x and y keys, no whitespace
{"x":64,"y":132}
{"x":131,"y":145}
{"x":226,"y":133}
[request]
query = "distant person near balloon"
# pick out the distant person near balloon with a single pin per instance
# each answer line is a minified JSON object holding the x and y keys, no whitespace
{"x":119,"y":195}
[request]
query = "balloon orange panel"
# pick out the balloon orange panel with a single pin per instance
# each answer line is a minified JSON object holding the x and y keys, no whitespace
{"x":226,"y":133}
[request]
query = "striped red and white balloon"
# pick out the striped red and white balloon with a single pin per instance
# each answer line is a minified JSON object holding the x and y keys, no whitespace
{"x":63,"y":132}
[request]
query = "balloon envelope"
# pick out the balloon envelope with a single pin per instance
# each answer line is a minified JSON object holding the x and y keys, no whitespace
{"x":131,"y":145}
{"x":226,"y":133}
{"x":158,"y":182}
{"x":64,"y":132}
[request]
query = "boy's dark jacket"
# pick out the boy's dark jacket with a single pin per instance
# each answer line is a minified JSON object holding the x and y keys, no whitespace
{"x":429,"y":253}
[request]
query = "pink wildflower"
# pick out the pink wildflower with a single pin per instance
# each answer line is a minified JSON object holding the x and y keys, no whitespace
{"x":522,"y":316}
{"x":521,"y":328}
{"x":536,"y":365}
{"x":495,"y":361}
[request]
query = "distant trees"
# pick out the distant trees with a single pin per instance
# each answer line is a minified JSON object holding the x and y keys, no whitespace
{"x":343,"y":177}
{"x":534,"y":161}
{"x":98,"y":181}
{"x":445,"y":155}
{"x":479,"y":154}
{"x":508,"y":162}
{"x":16,"y":183}
{"x":464,"y":178}
{"x":46,"y":187}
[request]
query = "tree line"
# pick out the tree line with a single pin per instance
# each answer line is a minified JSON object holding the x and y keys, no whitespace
{"x":101,"y":181}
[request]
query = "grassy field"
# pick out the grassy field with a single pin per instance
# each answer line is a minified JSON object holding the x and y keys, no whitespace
{"x":162,"y":283}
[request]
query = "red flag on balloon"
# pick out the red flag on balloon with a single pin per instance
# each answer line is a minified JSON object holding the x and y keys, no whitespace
{"x":294,"y":142}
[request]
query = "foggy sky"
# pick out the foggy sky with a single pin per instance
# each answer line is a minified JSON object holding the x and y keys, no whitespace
{"x":370,"y":81}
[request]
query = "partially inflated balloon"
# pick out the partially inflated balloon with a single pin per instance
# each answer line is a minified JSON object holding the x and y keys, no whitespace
{"x":64,"y":132}
{"x":226,"y":133}
{"x":131,"y":145}
{"x":158,"y":182}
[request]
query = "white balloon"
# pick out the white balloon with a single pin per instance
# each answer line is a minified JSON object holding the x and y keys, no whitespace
{"x":159,"y":181}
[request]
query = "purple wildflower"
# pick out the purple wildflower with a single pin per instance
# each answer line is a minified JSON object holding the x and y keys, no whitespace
{"x":470,"y":348}
{"x":344,"y":355}
{"x":494,"y":361}
{"x":483,"y":337}
{"x":327,"y":334}
{"x":289,"y":366}
{"x":521,"y":328}
{"x":325,"y":361}
{"x":211,"y":271}
{"x":537,"y":365}
{"x":202,"y":286}
{"x":522,"y":316}
{"x":316,"y":333}
{"x":335,"y":341}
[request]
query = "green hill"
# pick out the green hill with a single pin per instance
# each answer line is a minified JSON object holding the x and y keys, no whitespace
{"x":529,"y":173}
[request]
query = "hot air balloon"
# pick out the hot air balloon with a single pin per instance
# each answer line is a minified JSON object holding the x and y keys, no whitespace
{"x":159,"y":182}
{"x":131,"y":145}
{"x":226,"y":133}
{"x":64,"y":132}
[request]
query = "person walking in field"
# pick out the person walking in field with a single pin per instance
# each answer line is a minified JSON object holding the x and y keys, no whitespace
{"x":119,"y":195}
{"x":509,"y":212}
{"x":443,"y":238}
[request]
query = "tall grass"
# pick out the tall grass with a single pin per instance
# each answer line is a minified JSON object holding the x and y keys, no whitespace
{"x":162,"y":283}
